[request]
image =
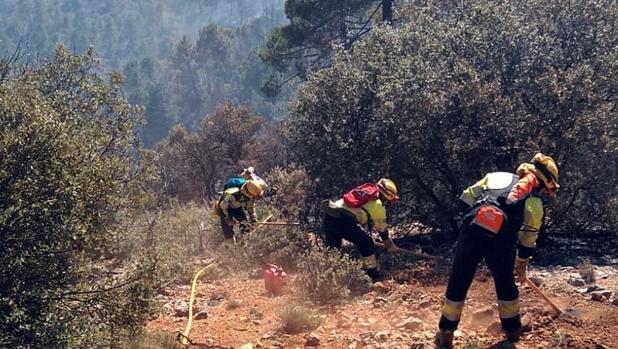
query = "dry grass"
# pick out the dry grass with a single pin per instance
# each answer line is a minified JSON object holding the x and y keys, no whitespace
{"x":297,"y":318}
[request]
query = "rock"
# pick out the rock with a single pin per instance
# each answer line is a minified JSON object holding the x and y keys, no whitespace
{"x":313,"y":340}
{"x":201,"y":315}
{"x":256,"y":322}
{"x":425,"y":303}
{"x":381,"y":336}
{"x":576,"y":282}
{"x":601,"y":295}
{"x":410,"y":324}
{"x":379,"y":301}
{"x":353,"y":345}
{"x":267,"y":336}
{"x":258,"y":344}
{"x":379,"y":287}
{"x":247,"y":346}
{"x":615,"y":301}
{"x":592,"y":288}
{"x":483,"y":315}
{"x":181,"y":308}
{"x":537,"y":280}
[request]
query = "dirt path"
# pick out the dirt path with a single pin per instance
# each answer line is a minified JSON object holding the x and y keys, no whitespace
{"x":240,"y":312}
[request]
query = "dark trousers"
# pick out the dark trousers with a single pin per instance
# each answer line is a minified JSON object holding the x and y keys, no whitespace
{"x":345,"y":227}
{"x":239,"y":215}
{"x":499,"y":253}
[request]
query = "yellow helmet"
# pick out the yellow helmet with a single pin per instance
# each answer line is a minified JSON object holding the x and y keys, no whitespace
{"x":388,"y":189}
{"x":545,"y":169}
{"x":251,"y":189}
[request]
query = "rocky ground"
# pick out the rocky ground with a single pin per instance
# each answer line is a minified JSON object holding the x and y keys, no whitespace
{"x":402,"y":312}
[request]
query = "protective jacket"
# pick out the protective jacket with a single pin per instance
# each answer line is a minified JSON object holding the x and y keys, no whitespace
{"x":372,"y":213}
{"x":513,"y":195}
{"x":232,"y":198}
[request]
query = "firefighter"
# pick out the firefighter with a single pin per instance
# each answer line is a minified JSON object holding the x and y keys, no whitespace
{"x":503,"y":217}
{"x":343,"y":218}
{"x":232,"y":206}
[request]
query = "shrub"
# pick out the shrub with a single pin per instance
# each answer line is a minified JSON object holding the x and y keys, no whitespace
{"x":283,"y":246}
{"x":558,"y":340}
{"x":297,"y":318}
{"x":328,"y":276}
{"x":439,"y":112}
{"x":586,"y":270}
{"x":153,"y":340}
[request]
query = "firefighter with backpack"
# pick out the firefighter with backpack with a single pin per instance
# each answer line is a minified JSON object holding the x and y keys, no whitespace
{"x":501,"y":222}
{"x":363,"y":205}
{"x":239,"y":196}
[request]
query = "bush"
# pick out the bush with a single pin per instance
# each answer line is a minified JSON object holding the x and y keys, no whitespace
{"x":330,"y":277}
{"x":283,"y":246}
{"x":586,"y":270}
{"x":153,"y":340}
{"x":297,"y":318}
{"x":465,"y":89}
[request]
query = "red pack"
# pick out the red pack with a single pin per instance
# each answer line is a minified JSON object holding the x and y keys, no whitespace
{"x":361,"y":195}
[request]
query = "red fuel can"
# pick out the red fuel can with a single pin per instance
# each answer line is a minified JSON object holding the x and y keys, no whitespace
{"x":274,"y":279}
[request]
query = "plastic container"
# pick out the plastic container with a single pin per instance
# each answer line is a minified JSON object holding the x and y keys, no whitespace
{"x":274,"y":279}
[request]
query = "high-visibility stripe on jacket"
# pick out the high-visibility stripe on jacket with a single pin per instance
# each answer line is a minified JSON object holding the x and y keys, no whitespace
{"x":374,"y":208}
{"x":232,"y":198}
{"x":496,"y":184}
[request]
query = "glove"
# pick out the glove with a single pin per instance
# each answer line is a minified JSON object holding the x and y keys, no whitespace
{"x":389,"y":245}
{"x":521,"y":266}
{"x":253,"y":218}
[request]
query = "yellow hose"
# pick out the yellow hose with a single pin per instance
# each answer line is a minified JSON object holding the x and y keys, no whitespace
{"x":185,"y":334}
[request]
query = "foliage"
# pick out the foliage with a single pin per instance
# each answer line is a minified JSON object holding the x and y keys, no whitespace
{"x":297,"y":318}
{"x":69,"y":158}
{"x":586,"y":270}
{"x":293,"y":186}
{"x":283,"y":246}
{"x":465,"y":89}
{"x":313,"y":27}
{"x":219,"y":65}
{"x":120,"y":31}
{"x":153,"y":340}
{"x":172,"y":236}
{"x":192,"y":166}
{"x":329,"y":277}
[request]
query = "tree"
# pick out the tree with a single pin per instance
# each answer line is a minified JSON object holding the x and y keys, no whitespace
{"x":314,"y":25}
{"x":68,"y":148}
{"x":468,"y":88}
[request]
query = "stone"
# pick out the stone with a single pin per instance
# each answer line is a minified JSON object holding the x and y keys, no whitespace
{"x":379,"y":301}
{"x":410,"y":324}
{"x":576,"y":282}
{"x":615,"y":301}
{"x":379,"y":287}
{"x":247,"y":346}
{"x":601,"y":295}
{"x":537,"y":280}
{"x":258,"y":344}
{"x":353,"y":345}
{"x":381,"y":336}
{"x":313,"y":340}
{"x":201,"y":315}
{"x":425,"y":303}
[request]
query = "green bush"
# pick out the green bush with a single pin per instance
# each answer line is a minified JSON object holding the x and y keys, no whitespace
{"x":330,"y":277}
{"x":468,"y":88}
{"x":297,"y":318}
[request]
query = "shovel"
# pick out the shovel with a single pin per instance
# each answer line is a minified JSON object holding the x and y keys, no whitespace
{"x":406,"y":251}
{"x":541,"y":294}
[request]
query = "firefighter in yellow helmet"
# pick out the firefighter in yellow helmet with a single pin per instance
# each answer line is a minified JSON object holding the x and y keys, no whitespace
{"x":234,"y":202}
{"x":500,"y":225}
{"x":363,"y":205}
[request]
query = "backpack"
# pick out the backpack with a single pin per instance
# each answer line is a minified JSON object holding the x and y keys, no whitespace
{"x":234,"y":181}
{"x":361,"y":195}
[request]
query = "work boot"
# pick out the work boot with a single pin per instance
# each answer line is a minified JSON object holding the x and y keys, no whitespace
{"x":526,"y":325}
{"x":445,"y":339}
{"x":373,"y":274}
